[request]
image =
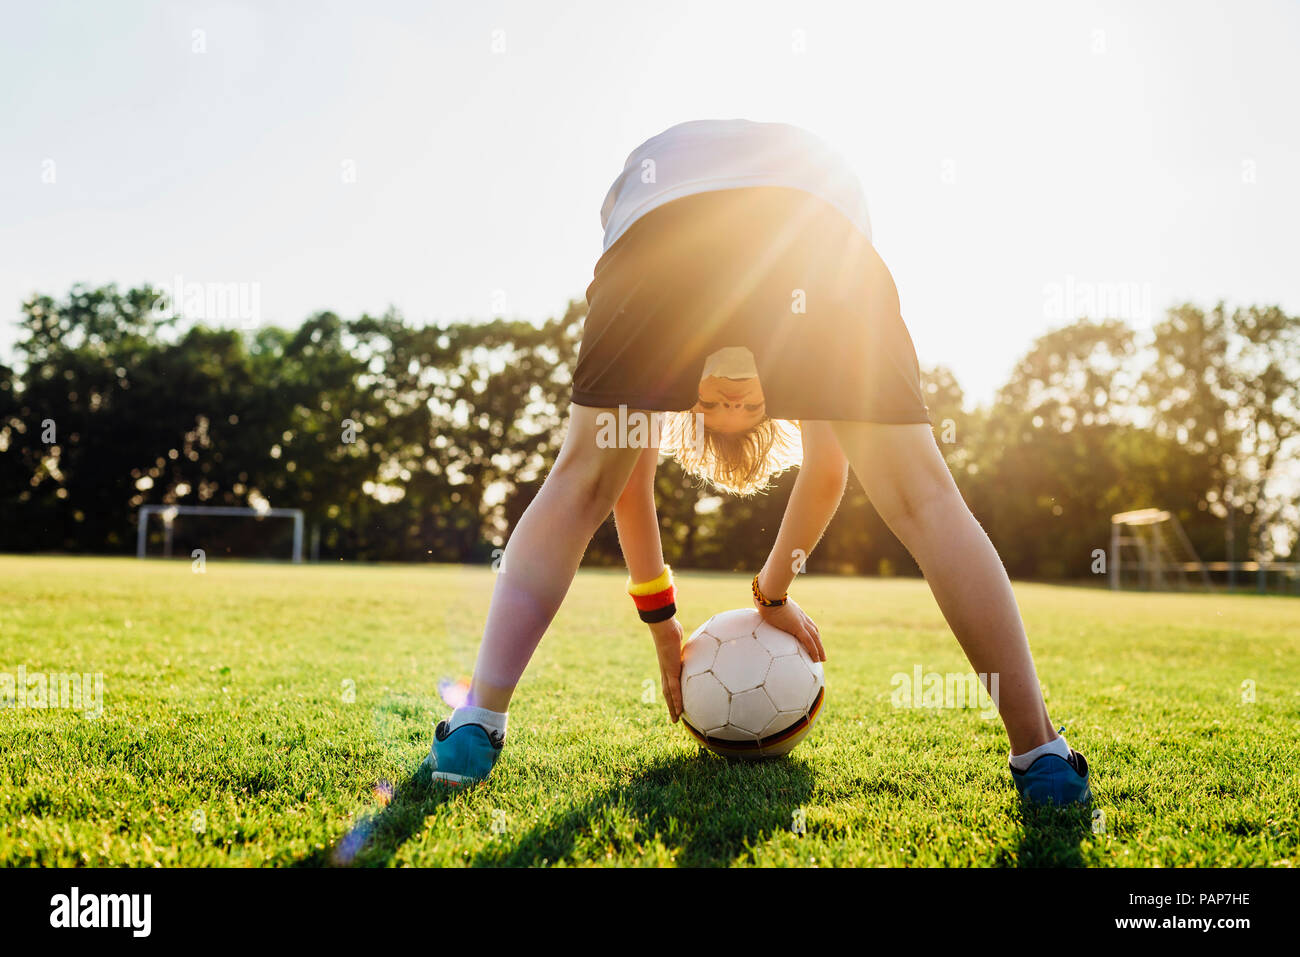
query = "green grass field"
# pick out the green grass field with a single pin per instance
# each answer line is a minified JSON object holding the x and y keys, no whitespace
{"x":228,"y":736}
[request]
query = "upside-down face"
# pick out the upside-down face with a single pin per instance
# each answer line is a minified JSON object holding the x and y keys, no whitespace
{"x":730,"y":405}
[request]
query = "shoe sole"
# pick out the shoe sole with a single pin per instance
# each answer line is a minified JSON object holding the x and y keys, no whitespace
{"x":452,"y":780}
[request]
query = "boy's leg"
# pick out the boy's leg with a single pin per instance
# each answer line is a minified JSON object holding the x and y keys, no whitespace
{"x":543,"y":554}
{"x":908,"y":482}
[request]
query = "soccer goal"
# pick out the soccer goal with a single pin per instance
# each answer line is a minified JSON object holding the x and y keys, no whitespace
{"x":224,"y":513}
{"x":1149,"y":544}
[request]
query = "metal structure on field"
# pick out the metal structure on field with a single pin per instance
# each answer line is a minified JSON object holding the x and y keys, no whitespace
{"x":1158,"y":548}
{"x":170,"y":512}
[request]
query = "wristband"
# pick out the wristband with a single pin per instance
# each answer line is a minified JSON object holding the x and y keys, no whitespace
{"x":659,"y":614}
{"x":764,"y":600}
{"x":655,"y":600}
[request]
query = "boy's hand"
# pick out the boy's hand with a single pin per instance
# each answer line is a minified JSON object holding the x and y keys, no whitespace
{"x":791,"y":618}
{"x":668,"y":644}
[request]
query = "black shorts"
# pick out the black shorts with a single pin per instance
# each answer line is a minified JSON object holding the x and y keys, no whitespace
{"x":776,"y":270}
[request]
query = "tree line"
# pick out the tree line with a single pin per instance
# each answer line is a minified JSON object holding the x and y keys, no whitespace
{"x":426,"y":443}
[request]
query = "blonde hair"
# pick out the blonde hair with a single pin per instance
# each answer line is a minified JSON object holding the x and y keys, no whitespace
{"x":740,"y":463}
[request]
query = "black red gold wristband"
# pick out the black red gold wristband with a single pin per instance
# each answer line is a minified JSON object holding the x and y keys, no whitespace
{"x":656,"y":600}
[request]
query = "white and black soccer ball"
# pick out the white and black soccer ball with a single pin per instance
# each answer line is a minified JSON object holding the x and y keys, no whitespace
{"x":749,"y":689}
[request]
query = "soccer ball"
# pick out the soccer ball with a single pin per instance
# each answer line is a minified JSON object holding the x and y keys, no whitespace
{"x":749,"y":690}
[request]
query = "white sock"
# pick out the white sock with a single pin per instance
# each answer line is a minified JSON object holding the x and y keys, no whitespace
{"x":492,"y":720}
{"x":1021,"y":762}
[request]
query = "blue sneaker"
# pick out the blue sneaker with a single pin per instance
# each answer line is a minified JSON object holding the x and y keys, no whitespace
{"x":464,"y":756}
{"x":1054,"y":780}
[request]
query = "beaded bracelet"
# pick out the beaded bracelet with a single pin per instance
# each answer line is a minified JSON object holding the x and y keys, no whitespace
{"x":768,"y":602}
{"x":655,"y":600}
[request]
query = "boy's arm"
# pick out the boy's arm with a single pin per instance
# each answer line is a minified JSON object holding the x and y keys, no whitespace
{"x":637,"y":521}
{"x":814,"y":499}
{"x":638,"y":536}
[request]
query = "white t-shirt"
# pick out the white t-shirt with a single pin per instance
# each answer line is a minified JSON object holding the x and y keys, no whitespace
{"x":730,"y":362}
{"x":704,"y":155}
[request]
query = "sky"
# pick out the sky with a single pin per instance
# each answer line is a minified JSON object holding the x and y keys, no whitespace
{"x":1024,"y":163}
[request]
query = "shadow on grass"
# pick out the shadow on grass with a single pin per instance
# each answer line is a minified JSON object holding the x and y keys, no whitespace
{"x":375,"y":839}
{"x":1051,"y":836}
{"x":705,"y":810}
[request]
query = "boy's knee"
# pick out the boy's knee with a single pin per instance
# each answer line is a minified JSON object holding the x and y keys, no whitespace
{"x":910,"y":507}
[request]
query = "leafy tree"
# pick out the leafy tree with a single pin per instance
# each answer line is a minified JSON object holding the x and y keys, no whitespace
{"x":427,"y":443}
{"x":1226,"y":387}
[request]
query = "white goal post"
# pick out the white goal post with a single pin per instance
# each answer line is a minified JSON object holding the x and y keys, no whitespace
{"x":169,"y":513}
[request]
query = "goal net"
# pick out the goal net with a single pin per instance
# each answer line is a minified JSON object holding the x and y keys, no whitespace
{"x":227,"y":531}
